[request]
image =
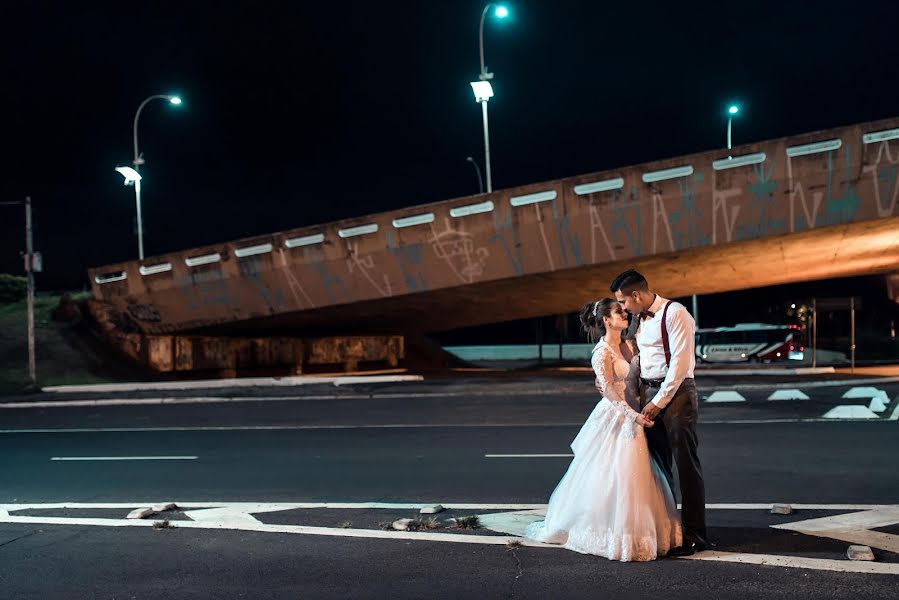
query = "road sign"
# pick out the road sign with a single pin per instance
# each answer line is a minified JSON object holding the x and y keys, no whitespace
{"x":37,"y":262}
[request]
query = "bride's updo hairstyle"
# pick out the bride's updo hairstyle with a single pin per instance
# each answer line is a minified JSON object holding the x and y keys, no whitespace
{"x":592,"y":315}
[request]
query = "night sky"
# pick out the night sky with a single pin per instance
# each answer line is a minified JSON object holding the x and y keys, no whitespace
{"x":305,"y":112}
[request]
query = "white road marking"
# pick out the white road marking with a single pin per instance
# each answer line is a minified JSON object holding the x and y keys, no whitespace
{"x":816,"y":384}
{"x":90,"y":458}
{"x":799,"y":562}
{"x":895,"y":415}
{"x":854,"y":528}
{"x":850,"y":411}
{"x":250,"y":525}
{"x":879,"y":403}
{"x":528,"y":455}
{"x":861,"y":392}
{"x":791,"y":394}
{"x":879,"y":398}
{"x":725,"y":396}
{"x":239,"y":516}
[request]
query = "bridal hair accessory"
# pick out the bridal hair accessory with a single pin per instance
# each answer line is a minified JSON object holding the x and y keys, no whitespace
{"x":595,"y":308}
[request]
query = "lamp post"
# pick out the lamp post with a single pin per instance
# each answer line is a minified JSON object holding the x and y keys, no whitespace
{"x":32,"y":264}
{"x":137,"y":162}
{"x":477,"y":171}
{"x":482,"y":89}
{"x":732,"y":111}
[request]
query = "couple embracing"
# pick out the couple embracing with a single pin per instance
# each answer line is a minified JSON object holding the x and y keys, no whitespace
{"x":616,"y":498}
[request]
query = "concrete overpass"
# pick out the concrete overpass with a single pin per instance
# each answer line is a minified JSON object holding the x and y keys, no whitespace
{"x":807,"y":207}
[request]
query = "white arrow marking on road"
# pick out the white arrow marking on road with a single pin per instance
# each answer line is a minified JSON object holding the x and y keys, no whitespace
{"x":223,"y":517}
{"x":725,"y":396}
{"x":124,"y":458}
{"x":239,"y":516}
{"x":854,"y":528}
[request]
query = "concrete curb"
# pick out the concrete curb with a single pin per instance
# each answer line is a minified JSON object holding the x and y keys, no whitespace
{"x":230,"y":383}
{"x":503,"y":391}
{"x":796,"y":371}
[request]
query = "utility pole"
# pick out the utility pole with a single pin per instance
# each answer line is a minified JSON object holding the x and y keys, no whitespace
{"x":29,"y":272}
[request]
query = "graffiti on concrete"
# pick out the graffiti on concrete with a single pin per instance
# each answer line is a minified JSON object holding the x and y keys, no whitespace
{"x":795,"y":185}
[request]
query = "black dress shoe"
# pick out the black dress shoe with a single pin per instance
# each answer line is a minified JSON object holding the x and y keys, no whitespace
{"x":687,"y":549}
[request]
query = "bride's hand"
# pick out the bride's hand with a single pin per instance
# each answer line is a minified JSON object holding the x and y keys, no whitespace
{"x":644,"y":422}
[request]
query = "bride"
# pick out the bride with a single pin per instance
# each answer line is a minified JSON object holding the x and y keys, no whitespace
{"x":613,"y":501}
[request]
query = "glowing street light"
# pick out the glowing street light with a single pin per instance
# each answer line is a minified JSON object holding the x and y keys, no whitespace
{"x":482,"y":89}
{"x":132,"y":176}
{"x":732,"y":111}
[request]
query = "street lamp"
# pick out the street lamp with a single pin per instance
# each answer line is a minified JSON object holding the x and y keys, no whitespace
{"x":477,"y":171}
{"x":133,"y":176}
{"x":482,"y":89}
{"x":732,"y":111}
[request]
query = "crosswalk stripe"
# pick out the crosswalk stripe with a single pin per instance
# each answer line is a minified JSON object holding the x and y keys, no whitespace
{"x":725,"y":396}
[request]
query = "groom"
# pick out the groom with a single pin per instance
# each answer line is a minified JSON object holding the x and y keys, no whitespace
{"x":665,"y":334}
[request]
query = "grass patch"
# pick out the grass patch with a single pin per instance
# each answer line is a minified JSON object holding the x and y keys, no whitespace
{"x":67,"y":353}
{"x":423,"y":524}
{"x":163,"y":524}
{"x":345,"y":524}
{"x":467,"y":522}
{"x":416,"y":523}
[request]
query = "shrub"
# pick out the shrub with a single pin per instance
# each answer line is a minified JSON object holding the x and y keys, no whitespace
{"x":12,"y":288}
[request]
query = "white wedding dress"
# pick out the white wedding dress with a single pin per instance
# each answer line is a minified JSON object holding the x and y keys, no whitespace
{"x":613,"y":501}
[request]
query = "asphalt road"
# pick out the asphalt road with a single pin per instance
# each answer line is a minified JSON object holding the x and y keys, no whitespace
{"x":384,"y":445}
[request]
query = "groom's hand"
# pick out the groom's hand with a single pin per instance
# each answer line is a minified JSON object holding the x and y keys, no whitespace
{"x":651,"y":411}
{"x":644,"y":422}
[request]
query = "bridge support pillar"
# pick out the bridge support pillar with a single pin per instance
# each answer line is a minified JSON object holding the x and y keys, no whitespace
{"x":893,"y":287}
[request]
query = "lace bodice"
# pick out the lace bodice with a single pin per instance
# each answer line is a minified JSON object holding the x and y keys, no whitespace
{"x":611,"y":372}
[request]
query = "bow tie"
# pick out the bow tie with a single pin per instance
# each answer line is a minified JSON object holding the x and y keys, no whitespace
{"x":646,"y":314}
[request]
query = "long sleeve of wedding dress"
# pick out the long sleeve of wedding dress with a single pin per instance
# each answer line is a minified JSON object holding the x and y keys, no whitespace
{"x":612,"y":501}
{"x":611,"y":383}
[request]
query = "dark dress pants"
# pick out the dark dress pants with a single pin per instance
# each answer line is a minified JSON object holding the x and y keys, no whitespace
{"x":674,"y":437}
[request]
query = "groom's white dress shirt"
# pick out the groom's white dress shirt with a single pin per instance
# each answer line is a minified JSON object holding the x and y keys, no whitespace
{"x":681,"y":342}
